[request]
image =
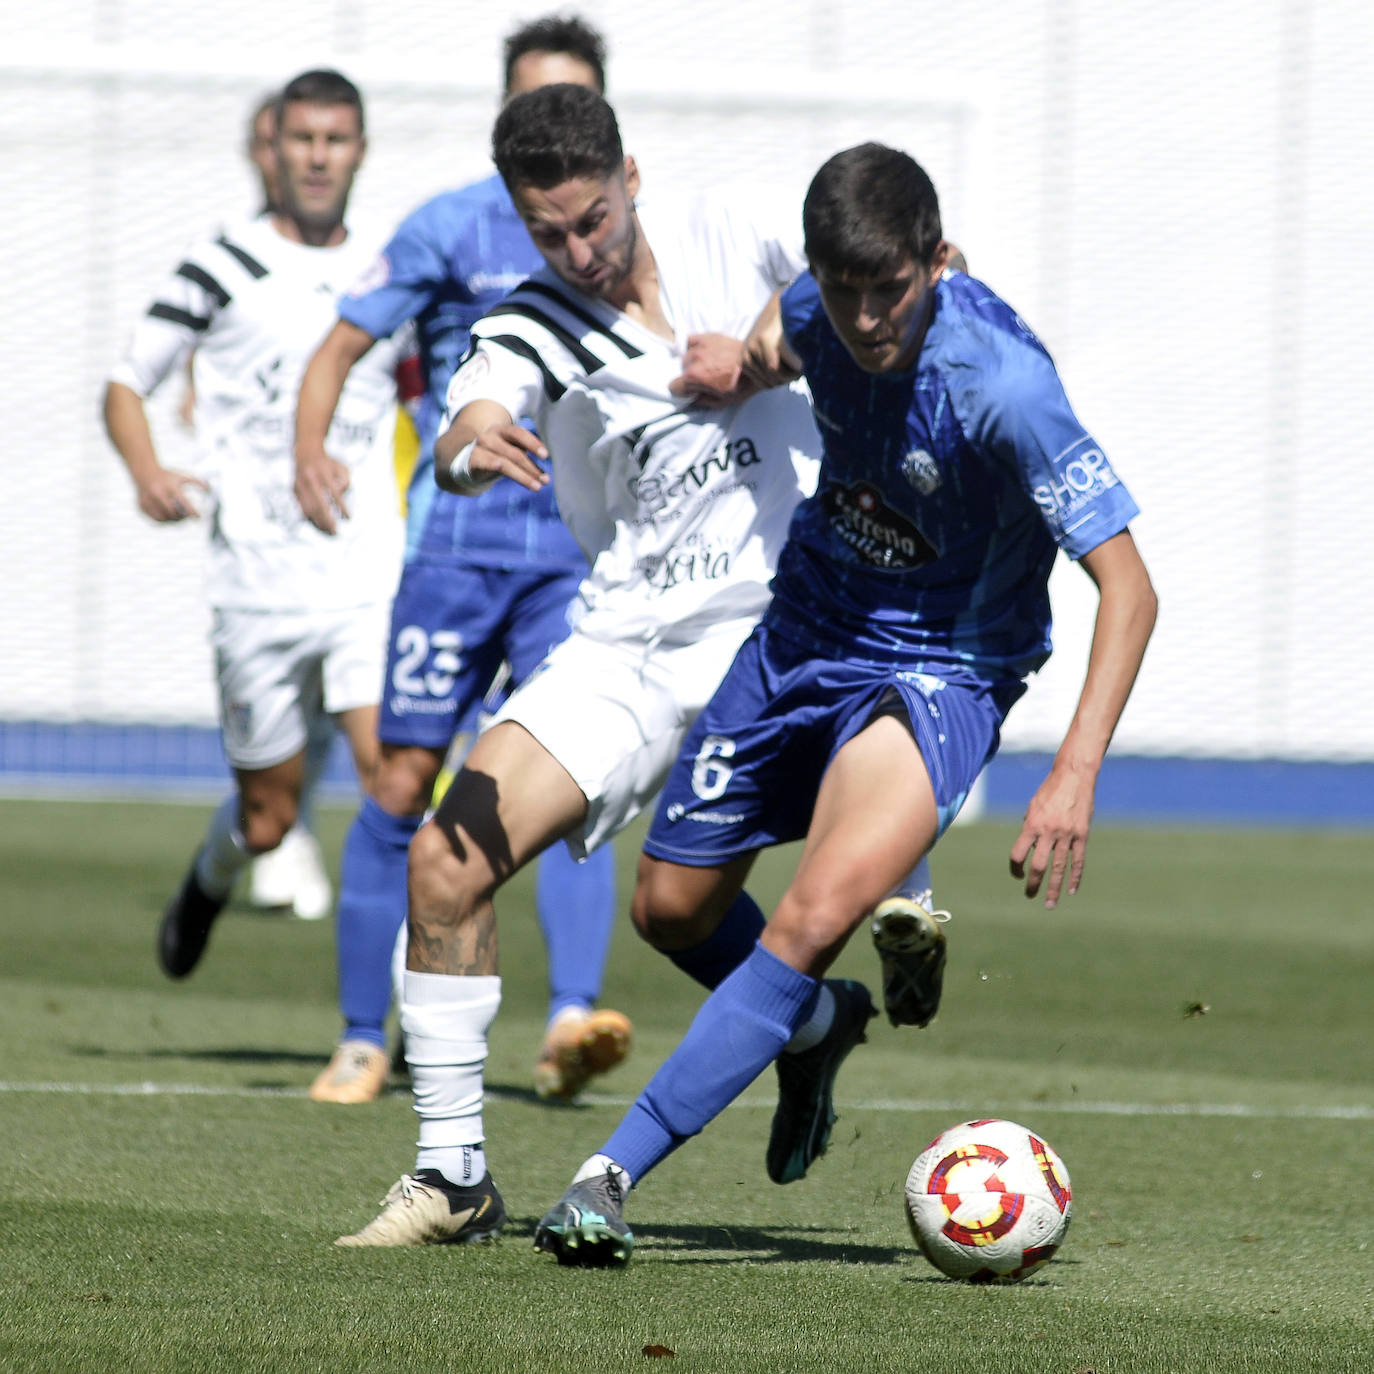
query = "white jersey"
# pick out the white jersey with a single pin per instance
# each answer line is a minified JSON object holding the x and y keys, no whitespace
{"x":255,"y":306}
{"x":681,"y":510}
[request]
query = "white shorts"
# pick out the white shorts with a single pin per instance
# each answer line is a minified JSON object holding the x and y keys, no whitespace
{"x":281,"y":671}
{"x":615,"y":715}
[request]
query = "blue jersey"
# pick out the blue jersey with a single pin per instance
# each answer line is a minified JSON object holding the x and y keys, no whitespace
{"x":944,"y":492}
{"x":447,"y":264}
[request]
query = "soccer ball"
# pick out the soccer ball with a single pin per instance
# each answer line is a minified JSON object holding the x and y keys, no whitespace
{"x":988,"y":1201}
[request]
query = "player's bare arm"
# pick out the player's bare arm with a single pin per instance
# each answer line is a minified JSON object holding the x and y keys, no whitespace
{"x":162,"y":492}
{"x":1060,"y":814}
{"x":767,"y":361}
{"x":488,"y":444}
{"x":321,"y":481}
{"x":711,"y":372}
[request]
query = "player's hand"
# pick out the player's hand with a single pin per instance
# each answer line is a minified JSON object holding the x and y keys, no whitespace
{"x":321,"y":485}
{"x":164,"y":497}
{"x":711,"y":373}
{"x":1054,"y":835}
{"x":509,"y":451}
{"x":767,"y":360}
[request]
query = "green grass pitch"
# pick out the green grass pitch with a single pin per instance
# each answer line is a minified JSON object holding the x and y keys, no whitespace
{"x":168,"y":1196}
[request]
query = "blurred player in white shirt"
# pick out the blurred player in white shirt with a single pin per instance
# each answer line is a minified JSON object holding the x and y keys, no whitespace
{"x":299,"y":618}
{"x":290,"y":877}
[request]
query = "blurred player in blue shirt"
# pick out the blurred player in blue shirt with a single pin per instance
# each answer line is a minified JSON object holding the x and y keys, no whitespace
{"x":909,"y":605}
{"x":486,"y":582}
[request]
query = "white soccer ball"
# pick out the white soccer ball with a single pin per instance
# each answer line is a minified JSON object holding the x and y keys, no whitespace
{"x":988,"y":1201}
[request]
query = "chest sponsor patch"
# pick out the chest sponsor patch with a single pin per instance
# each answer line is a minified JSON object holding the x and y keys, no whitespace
{"x":878,"y":535}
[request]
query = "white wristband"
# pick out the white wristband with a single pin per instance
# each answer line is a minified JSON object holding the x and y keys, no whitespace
{"x":460,"y":473}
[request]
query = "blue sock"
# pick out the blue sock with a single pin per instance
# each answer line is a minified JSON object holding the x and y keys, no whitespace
{"x":738,"y":1032}
{"x":576,"y":904}
{"x":727,"y":947}
{"x":372,"y":908}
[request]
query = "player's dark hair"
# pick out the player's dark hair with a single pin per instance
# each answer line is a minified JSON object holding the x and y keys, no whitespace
{"x":867,"y":211}
{"x":321,"y":87}
{"x":567,"y":34}
{"x":551,"y":135}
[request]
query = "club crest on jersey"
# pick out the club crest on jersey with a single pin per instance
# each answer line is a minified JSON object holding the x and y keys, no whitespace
{"x":877,"y":534}
{"x":468,"y":381}
{"x":920,"y":469}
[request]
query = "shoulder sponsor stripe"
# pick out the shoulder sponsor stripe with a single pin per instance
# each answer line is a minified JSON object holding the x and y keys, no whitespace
{"x":539,"y":288}
{"x":245,"y":259}
{"x":206,"y":282}
{"x":553,"y":388}
{"x":589,"y":361}
{"x":160,"y":310}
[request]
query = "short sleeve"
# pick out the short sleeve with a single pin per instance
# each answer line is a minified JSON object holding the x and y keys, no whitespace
{"x":179,"y":317}
{"x":493,"y":372}
{"x":1021,"y":415}
{"x":401,"y":282}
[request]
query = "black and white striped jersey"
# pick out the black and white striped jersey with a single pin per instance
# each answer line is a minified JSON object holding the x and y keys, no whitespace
{"x":254,"y":306}
{"x":681,"y":510}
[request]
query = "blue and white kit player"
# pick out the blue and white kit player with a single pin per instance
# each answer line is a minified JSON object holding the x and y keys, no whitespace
{"x":487,"y":582}
{"x":910,"y":604}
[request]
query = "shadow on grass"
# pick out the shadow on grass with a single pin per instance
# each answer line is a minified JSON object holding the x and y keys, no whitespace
{"x":522,"y":1092}
{"x":227,"y":1055}
{"x":687,"y":1244}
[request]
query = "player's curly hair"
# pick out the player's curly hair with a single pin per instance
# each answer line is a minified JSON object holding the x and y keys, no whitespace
{"x":568,"y":34}
{"x":868,"y":210}
{"x":322,"y":86}
{"x":551,"y":135}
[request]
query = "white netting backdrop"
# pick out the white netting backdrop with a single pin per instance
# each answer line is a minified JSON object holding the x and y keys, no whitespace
{"x":1172,"y":195}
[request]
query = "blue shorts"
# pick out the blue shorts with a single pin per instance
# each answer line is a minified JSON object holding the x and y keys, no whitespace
{"x":452,"y":626}
{"x":749,"y":772}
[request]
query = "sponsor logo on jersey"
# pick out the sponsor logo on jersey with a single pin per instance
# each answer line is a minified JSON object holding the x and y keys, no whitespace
{"x":1082,"y":475}
{"x":420,"y":706}
{"x":478,"y":282}
{"x":280,"y":507}
{"x":677,"y":812}
{"x":238,"y":719}
{"x":877,"y":534}
{"x":656,"y":490}
{"x":663,"y":572}
{"x":351,"y":434}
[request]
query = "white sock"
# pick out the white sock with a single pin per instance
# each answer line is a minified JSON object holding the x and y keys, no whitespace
{"x":223,"y":854}
{"x":574,"y":1011}
{"x":598,"y":1165}
{"x":445,"y":1018}
{"x":813,"y":1030}
{"x":917,"y":886}
{"x":460,"y":1164}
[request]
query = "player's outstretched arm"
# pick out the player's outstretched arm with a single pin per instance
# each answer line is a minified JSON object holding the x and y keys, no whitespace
{"x":321,"y":481}
{"x":767,"y":360}
{"x":1054,"y":835}
{"x":484,"y":443}
{"x":162,"y":493}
